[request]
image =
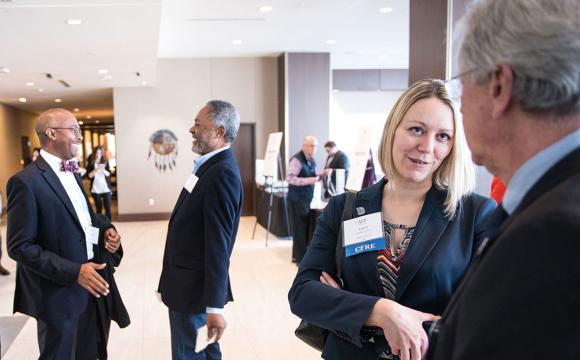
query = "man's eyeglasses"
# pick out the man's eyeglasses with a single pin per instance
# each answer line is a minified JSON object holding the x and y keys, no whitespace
{"x":453,"y":85}
{"x":75,"y":130}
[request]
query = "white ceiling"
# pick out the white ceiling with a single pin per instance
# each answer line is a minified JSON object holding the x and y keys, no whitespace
{"x":202,"y":28}
{"x":128,"y":36}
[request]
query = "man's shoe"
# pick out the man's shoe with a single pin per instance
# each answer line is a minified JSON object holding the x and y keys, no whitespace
{"x":4,"y":271}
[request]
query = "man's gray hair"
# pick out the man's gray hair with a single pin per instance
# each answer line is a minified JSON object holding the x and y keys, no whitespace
{"x":225,"y":114}
{"x":538,"y":39}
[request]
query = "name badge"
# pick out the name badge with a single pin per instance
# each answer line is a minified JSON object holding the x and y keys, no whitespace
{"x":92,"y":235}
{"x":190,"y":183}
{"x":363,"y":234}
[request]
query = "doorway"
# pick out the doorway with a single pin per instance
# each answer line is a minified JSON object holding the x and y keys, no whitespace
{"x":244,"y":150}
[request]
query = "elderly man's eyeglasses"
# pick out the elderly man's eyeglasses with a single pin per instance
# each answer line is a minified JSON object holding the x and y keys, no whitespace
{"x":453,"y":85}
{"x":75,"y":130}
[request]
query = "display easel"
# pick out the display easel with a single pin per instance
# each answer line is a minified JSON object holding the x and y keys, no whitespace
{"x":271,"y":181}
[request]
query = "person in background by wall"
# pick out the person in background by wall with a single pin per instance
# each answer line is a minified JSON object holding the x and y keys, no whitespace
{"x":99,"y":172}
{"x":35,"y":153}
{"x":301,"y":177}
{"x":3,"y":270}
{"x":336,"y":160}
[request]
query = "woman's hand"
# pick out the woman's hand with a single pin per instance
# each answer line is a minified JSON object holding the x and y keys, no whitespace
{"x":325,"y":278}
{"x":403,"y":328}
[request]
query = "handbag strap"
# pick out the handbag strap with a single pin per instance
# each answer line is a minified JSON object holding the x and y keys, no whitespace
{"x":346,"y":215}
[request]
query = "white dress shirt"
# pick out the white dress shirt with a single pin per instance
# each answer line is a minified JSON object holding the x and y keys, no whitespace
{"x":75,"y":194}
{"x":533,"y":169}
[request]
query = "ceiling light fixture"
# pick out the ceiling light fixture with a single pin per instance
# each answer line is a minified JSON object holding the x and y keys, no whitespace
{"x":265,"y":8}
{"x":81,"y":123}
{"x":331,"y":42}
{"x":89,"y":117}
{"x":237,"y":42}
{"x":57,"y":100}
{"x":74,"y":21}
{"x":143,"y":82}
{"x":102,"y":71}
{"x":22,"y":100}
{"x":76,"y":110}
{"x":97,"y":121}
{"x":40,"y":90}
{"x":4,"y":70}
{"x":29,"y":84}
{"x":385,"y":10}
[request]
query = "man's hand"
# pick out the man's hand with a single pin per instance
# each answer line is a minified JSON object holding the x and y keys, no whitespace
{"x":112,"y":240}
{"x":216,"y":325}
{"x":92,"y":281}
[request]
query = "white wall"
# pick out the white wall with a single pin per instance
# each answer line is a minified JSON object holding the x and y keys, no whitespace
{"x":183,"y":86}
{"x":351,"y":110}
{"x":14,"y":123}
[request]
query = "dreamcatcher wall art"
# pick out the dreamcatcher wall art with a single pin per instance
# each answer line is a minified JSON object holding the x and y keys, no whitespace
{"x":163,"y":147}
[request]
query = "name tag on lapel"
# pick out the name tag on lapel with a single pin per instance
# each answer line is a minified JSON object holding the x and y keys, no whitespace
{"x":190,"y":183}
{"x":92,"y":235}
{"x":363,"y":234}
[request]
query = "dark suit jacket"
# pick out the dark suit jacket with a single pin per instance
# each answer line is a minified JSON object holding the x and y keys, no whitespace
{"x":521,"y":299}
{"x":47,"y":241}
{"x":339,"y":161}
{"x":437,"y":257}
{"x":200,"y":239}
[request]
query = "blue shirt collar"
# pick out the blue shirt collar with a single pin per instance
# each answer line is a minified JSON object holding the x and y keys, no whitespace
{"x":533,"y":169}
{"x":197,"y":163}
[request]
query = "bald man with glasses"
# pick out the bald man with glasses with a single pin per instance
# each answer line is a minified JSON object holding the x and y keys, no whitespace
{"x":53,"y":235}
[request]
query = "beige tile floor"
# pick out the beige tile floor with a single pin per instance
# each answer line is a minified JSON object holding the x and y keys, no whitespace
{"x":260,"y":325}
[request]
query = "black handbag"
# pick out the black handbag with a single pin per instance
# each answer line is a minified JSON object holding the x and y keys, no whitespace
{"x":311,"y":334}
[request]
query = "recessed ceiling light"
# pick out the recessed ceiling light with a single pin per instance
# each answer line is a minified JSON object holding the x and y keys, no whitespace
{"x":4,"y":70}
{"x":237,"y":42}
{"x":383,"y":56}
{"x":385,"y":10}
{"x":29,"y":84}
{"x":57,"y":100}
{"x":331,"y":42}
{"x":74,"y":21}
{"x":40,"y":90}
{"x":22,"y":100}
{"x":81,"y":122}
{"x":143,"y":82}
{"x":89,"y":117}
{"x":265,"y":8}
{"x":102,"y":71}
{"x":76,"y":110}
{"x":108,"y":77}
{"x":97,"y":121}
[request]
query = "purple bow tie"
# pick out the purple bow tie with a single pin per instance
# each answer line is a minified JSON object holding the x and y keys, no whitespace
{"x":70,"y":165}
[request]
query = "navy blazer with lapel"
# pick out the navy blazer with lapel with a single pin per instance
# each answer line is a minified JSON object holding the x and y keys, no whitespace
{"x":520,"y":300}
{"x":437,"y":257}
{"x":200,"y":238}
{"x":47,"y":241}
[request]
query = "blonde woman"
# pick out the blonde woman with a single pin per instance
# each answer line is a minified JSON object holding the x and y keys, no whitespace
{"x":431,"y":224}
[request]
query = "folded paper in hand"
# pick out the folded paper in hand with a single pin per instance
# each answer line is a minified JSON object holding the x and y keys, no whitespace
{"x":202,"y":341}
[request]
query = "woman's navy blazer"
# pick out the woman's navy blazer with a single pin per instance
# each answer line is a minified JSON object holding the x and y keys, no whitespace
{"x":437,"y":257}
